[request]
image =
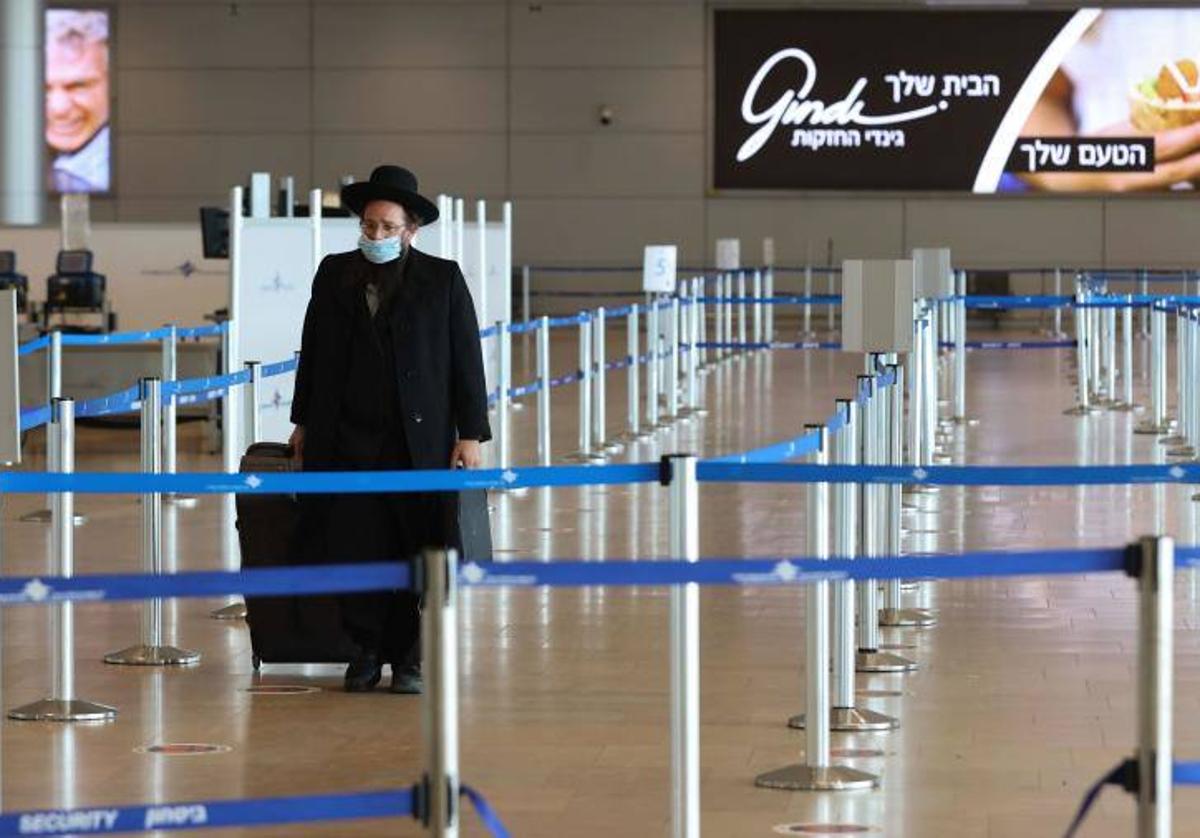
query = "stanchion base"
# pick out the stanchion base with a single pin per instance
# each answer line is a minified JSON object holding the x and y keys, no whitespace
{"x":964,"y":421}
{"x":851,"y":719}
{"x":906,"y":618}
{"x":882,"y":662}
{"x":1126,"y":407}
{"x":181,"y":501}
{"x":810,"y":778}
{"x":1150,"y":429}
{"x":1173,"y":439}
{"x":141,"y":655}
{"x":42,"y":516}
{"x":63,"y":710}
{"x":612,"y":447}
{"x":1081,"y":410}
{"x":1183,"y":452}
{"x":232,"y":611}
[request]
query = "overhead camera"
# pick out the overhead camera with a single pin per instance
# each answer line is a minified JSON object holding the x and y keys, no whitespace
{"x":606,"y":115}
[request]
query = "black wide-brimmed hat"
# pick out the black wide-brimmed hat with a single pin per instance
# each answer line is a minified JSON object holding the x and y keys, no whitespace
{"x":390,"y":183}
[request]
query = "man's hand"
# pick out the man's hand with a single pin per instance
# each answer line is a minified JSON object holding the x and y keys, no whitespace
{"x":296,"y":440}
{"x":468,"y":453}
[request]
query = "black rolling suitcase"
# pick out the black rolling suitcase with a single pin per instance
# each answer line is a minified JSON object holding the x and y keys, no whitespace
{"x":284,"y":629}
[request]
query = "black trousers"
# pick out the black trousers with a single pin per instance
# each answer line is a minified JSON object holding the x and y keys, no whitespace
{"x":384,"y":527}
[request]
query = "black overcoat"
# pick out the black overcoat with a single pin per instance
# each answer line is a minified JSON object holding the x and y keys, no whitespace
{"x":438,"y":365}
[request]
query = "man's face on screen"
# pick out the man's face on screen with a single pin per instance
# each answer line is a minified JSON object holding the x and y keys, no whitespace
{"x":76,"y":94}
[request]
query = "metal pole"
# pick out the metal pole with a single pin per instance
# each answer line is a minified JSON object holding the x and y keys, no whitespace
{"x":873,"y":505}
{"x":693,"y":407}
{"x":684,"y":511}
{"x":584,"y":454}
{"x":62,"y":705}
{"x":503,"y":385}
{"x":960,"y":350}
{"x":1155,"y":686}
{"x":741,"y":292}
{"x":673,"y":362}
{"x":1144,"y":289}
{"x":703,"y":316}
{"x":439,"y":709}
{"x":152,"y":651}
{"x":252,"y":423}
{"x":916,"y":366}
{"x":1156,"y":424}
{"x":758,"y":310}
{"x":817,"y":773}
{"x":1127,"y":403}
{"x":1058,"y":330}
{"x":769,"y":290}
{"x":830,"y":309}
{"x":525,"y":278}
{"x":230,"y":452}
{"x":632,"y":396}
{"x":806,"y":329}
{"x":1082,"y":395}
{"x":543,"y":366}
{"x":652,"y":365}
{"x":892,"y":614}
{"x":729,"y":315}
{"x":600,"y":394}
{"x":53,"y":391}
{"x":170,"y":372}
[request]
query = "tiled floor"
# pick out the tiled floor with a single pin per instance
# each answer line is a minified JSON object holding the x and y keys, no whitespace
{"x":1024,"y":696}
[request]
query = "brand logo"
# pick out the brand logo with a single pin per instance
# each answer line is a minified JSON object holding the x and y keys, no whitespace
{"x":795,"y":108}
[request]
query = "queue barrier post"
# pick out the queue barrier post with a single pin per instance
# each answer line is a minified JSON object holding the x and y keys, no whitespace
{"x":1156,"y":649}
{"x":543,"y":396}
{"x":251,"y":418}
{"x":1058,"y":333}
{"x":817,"y":773}
{"x":1156,"y":423}
{"x":741,"y":293}
{"x":62,"y":704}
{"x":170,"y":372}
{"x":54,"y":357}
{"x":439,"y":790}
{"x":1083,"y":405}
{"x":503,"y":385}
{"x":843,"y":714}
{"x":632,"y":431}
{"x":585,"y":453}
{"x":602,"y":444}
{"x":806,"y":331}
{"x":652,"y":349}
{"x":769,"y":314}
{"x":673,"y":360}
{"x":692,"y":317}
{"x":702,"y":315}
{"x":758,"y":309}
{"x":893,"y":615}
{"x":152,"y":650}
{"x":679,"y":477}
{"x":1183,"y":445}
{"x":728,"y":294}
{"x":873,"y":503}
{"x":1126,"y":402}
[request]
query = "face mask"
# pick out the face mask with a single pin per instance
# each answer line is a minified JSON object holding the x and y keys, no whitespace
{"x":383,"y":250}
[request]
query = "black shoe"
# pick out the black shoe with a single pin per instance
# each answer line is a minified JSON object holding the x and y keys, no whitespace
{"x":363,"y":674}
{"x":407,"y":680}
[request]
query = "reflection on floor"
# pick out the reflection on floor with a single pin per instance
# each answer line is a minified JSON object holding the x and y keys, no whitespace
{"x":1024,"y":696}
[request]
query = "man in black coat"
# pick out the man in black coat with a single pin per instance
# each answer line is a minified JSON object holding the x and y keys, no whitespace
{"x":390,"y":378}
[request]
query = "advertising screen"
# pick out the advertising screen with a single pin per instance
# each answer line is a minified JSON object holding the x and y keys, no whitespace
{"x":78,"y":143}
{"x":980,"y":101}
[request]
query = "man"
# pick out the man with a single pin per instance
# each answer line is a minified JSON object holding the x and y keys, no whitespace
{"x":390,"y":378}
{"x":77,"y":101}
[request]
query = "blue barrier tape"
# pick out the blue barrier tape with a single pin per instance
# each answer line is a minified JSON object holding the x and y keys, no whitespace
{"x":569,"y":378}
{"x":527,"y":326}
{"x":723,"y":472}
{"x":1012,"y":344}
{"x":34,"y":345}
{"x":209,"y":814}
{"x":194,"y":332}
{"x":263,"y":811}
{"x":199,"y":385}
{"x":809,"y":344}
{"x":998,"y":301}
{"x":297,"y":580}
{"x":201,"y":397}
{"x":622,"y":311}
{"x":490,"y":331}
{"x":525,"y":389}
{"x":35,"y":417}
{"x":122,"y":402}
{"x":559,"y":322}
{"x":317,"y":482}
{"x":788,"y":571}
{"x":278,"y":368}
{"x":778,"y":300}
{"x":1186,"y":774}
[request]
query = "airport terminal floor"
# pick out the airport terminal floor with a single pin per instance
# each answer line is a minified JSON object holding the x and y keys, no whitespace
{"x":1025,"y":693}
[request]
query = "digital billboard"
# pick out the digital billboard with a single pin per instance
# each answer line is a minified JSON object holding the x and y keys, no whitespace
{"x":991,"y":101}
{"x":78,"y":100}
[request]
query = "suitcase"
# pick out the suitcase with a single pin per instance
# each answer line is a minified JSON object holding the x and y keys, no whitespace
{"x":284,"y":629}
